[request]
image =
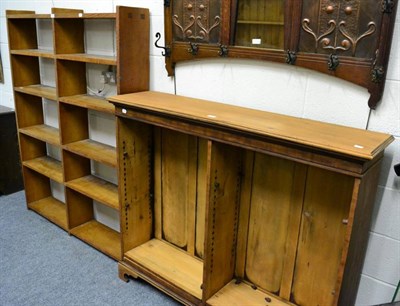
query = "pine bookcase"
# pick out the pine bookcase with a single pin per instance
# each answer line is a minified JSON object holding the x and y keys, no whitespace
{"x":69,"y":55}
{"x":236,"y":206}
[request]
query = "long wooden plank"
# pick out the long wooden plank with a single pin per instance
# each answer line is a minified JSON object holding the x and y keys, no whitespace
{"x":101,"y":237}
{"x":269,"y":220}
{"x":175,"y":161}
{"x":97,"y":189}
{"x":34,"y":52}
{"x":356,"y":143}
{"x":52,"y":209}
{"x":170,"y":263}
{"x":42,"y":91}
{"x":94,"y":150}
{"x":47,"y":166}
{"x":89,"y":102}
{"x":322,"y":236}
{"x":202,"y":180}
{"x":43,"y":132}
{"x":89,"y":58}
{"x":243,"y":294}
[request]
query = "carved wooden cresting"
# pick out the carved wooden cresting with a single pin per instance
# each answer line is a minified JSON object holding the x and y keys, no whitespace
{"x":196,"y":20}
{"x":348,"y":39}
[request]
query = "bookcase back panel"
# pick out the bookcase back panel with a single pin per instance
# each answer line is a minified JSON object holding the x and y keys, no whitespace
{"x":179,"y":169}
{"x":322,"y":236}
{"x":270,"y":215}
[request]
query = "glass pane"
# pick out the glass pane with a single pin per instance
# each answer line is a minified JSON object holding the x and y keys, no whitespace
{"x":260,"y":24}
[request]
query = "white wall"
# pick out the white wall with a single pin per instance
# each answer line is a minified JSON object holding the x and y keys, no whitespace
{"x":282,"y":89}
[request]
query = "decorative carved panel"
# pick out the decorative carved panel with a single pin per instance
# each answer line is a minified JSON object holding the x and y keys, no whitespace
{"x":196,"y":21}
{"x":342,"y":27}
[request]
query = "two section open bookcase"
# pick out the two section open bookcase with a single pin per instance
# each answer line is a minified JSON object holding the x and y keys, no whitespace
{"x":69,"y":57}
{"x":225,"y":205}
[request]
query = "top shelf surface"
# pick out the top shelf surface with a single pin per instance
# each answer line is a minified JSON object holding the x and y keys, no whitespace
{"x":63,"y":16}
{"x":329,"y":137}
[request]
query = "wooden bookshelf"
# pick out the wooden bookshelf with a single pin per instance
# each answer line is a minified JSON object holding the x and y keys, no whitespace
{"x":128,"y":36}
{"x":243,"y":207}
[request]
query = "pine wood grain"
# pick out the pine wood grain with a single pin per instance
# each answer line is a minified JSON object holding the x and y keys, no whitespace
{"x":271,"y":207}
{"x":34,"y":52}
{"x":47,"y":166}
{"x":97,"y":189}
{"x":89,"y":102}
{"x":52,"y":209}
{"x":322,"y":235}
{"x":101,"y":237}
{"x":242,"y":294}
{"x":135,"y":182}
{"x":42,"y":91}
{"x":43,"y":132}
{"x":170,"y":263}
{"x":94,"y":150}
{"x":89,"y":58}
{"x":315,"y":134}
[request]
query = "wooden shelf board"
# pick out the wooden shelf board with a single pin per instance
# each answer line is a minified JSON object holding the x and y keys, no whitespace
{"x":242,"y":294}
{"x":29,"y":16}
{"x":89,"y":58}
{"x":34,"y":52}
{"x":39,"y":91}
{"x":261,"y":22}
{"x":85,"y":15}
{"x":358,"y":143}
{"x":90,"y":102}
{"x":43,"y":132}
{"x":97,"y":189}
{"x":47,"y":166}
{"x":94,"y":150}
{"x":100,"y":237}
{"x":171,"y":264}
{"x":52,"y":209}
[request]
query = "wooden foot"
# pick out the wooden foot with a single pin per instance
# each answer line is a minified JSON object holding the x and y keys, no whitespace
{"x":125,"y":273}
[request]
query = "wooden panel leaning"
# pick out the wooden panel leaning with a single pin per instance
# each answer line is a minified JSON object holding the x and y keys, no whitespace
{"x":282,"y":206}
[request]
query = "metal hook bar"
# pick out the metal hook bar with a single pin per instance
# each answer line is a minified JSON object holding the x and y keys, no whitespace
{"x":167,"y":50}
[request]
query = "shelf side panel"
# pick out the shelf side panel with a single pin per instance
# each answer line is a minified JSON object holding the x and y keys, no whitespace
{"x":37,"y":186}
{"x":73,"y":123}
{"x":222,"y":217}
{"x":134,"y":141}
{"x":133,"y":31}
